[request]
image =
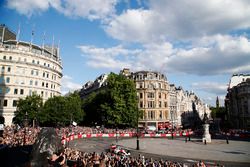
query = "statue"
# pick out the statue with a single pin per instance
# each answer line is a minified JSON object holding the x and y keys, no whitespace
{"x":206,"y":138}
{"x":205,"y":119}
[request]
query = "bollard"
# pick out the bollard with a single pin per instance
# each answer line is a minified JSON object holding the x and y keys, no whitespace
{"x":186,"y":139}
{"x":227,"y":140}
{"x":205,"y":142}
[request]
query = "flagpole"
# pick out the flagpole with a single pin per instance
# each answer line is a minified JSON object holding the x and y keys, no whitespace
{"x":18,"y":34}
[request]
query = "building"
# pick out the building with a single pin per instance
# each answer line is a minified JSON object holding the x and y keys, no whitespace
{"x":237,"y":101}
{"x":26,"y":69}
{"x":99,"y":83}
{"x":153,"y":97}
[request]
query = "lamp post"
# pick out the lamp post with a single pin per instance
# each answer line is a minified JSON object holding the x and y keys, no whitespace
{"x":171,"y":112}
{"x":137,"y":131}
{"x":116,"y":139}
{"x":25,"y":123}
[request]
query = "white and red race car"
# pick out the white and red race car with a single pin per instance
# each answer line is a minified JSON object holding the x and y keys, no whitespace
{"x":119,"y":150}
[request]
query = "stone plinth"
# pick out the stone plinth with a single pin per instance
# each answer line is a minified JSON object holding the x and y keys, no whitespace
{"x":206,"y":135}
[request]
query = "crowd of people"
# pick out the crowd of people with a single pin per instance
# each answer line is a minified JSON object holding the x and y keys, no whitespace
{"x":17,"y":136}
{"x":67,"y":131}
{"x":75,"y":158}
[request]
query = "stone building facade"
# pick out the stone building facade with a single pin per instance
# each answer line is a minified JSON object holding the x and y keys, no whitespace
{"x":237,"y":101}
{"x":153,"y":98}
{"x":26,"y":69}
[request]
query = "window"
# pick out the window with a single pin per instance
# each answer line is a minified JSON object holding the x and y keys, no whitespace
{"x":141,"y":104}
{"x":32,"y":72}
{"x":30,"y":92}
{"x":36,"y":83}
{"x":165,"y":104}
{"x":14,"y":103}
{"x":8,"y":80}
{"x":21,"y":91}
{"x":159,"y":103}
{"x":47,"y":85}
{"x":3,"y":68}
{"x":159,"y":85}
{"x":159,"y":95}
{"x":160,"y":115}
{"x":10,"y":58}
{"x":48,"y":65}
{"x":47,"y":75}
{"x":44,"y":64}
{"x":42,"y":83}
{"x":141,"y":85}
{"x":41,"y":93}
{"x":141,"y":95}
{"x":4,"y":57}
{"x":5,"y":103}
{"x":151,"y":114}
{"x":31,"y":82}
{"x":25,"y":60}
{"x":151,"y":104}
{"x":9,"y":69}
{"x":38,"y":62}
{"x":151,"y":95}
{"x":15,"y":91}
{"x":33,"y":61}
{"x":37,"y":73}
{"x":43,"y":74}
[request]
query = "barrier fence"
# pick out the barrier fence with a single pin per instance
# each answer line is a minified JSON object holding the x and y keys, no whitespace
{"x":114,"y":135}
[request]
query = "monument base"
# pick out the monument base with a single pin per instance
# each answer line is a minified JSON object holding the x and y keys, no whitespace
{"x":206,"y":136}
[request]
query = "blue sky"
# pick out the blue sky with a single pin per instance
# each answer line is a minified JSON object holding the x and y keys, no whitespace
{"x":197,"y":44}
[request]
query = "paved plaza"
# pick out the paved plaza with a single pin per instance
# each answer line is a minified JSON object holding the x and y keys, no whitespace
{"x":236,"y":153}
{"x":218,"y":150}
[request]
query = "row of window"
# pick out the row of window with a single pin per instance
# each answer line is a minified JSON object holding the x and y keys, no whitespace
{"x":151,"y":104}
{"x":152,"y":95}
{"x":5,"y":103}
{"x":35,"y":83}
{"x":33,"y":61}
{"x":5,"y":69}
{"x":152,"y":115}
{"x":141,"y":85}
{"x":4,"y":80}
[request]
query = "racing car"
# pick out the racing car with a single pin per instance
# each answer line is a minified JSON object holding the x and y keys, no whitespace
{"x":119,"y":150}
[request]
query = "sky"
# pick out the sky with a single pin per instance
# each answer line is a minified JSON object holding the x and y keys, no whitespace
{"x":197,"y":44}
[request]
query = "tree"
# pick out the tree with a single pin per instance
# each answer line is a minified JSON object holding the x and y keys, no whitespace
{"x":32,"y":105}
{"x":54,"y":112}
{"x":114,"y":105}
{"x":73,"y":106}
{"x":60,"y":110}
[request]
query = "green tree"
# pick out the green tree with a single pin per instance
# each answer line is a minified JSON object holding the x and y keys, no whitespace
{"x":114,"y":105}
{"x":54,"y":112}
{"x":73,"y":106}
{"x":32,"y":105}
{"x":60,"y":110}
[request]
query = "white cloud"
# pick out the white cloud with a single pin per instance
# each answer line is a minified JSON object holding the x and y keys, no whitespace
{"x":90,"y":9}
{"x":28,"y":7}
{"x":211,"y":87}
{"x":68,"y":85}
{"x":212,"y":56}
{"x":217,"y":55}
{"x":111,"y":58}
{"x":180,"y":20}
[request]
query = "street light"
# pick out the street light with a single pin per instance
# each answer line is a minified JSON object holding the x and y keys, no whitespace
{"x":25,"y":123}
{"x":137,"y":131}
{"x":171,"y":112}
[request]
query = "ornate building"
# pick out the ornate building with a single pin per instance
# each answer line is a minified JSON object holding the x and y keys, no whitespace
{"x":26,"y":69}
{"x":237,"y":101}
{"x":153,"y":96}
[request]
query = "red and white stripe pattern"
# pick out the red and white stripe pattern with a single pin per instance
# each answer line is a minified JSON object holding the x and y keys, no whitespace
{"x":112,"y":135}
